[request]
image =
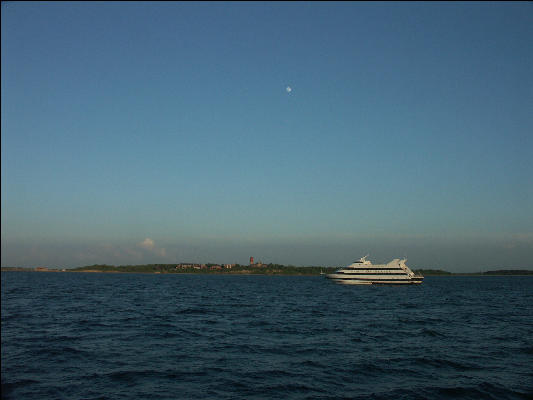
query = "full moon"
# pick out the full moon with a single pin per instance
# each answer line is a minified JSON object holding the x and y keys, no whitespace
{"x":288,"y":89}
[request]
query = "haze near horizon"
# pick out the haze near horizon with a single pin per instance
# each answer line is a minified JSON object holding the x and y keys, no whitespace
{"x":297,"y":133}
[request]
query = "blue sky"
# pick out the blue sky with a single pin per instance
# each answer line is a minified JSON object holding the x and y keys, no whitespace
{"x":163,"y":132}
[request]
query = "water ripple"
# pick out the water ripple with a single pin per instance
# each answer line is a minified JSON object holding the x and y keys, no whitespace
{"x":122,"y":336}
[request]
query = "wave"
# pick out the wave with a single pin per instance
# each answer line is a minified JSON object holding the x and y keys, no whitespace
{"x":168,"y":338}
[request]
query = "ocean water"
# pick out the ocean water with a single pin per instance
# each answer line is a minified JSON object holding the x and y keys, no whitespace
{"x":124,"y":336}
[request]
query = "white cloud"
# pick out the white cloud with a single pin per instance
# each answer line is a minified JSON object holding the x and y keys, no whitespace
{"x":288,"y":89}
{"x":147,"y":244}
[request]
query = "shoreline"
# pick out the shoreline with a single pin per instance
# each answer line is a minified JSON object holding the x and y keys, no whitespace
{"x":244,"y":272}
{"x":163,"y":273}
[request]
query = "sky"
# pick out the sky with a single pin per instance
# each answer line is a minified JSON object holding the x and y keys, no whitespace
{"x":166,"y":132}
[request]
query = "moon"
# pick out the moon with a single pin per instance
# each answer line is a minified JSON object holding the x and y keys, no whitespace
{"x":288,"y":89}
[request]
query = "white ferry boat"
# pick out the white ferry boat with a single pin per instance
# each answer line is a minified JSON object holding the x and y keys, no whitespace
{"x":362,"y":272}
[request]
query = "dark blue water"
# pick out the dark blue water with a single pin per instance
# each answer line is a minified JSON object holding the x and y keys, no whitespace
{"x":123,"y":336}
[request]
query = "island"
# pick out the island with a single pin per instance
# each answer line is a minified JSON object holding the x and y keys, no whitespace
{"x":252,"y":269}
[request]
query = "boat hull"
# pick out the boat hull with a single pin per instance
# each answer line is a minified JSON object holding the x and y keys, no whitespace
{"x":369,"y":281}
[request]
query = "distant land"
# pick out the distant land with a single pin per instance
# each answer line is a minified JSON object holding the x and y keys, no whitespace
{"x":440,"y":272}
{"x":228,"y":269}
{"x":237,"y":269}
